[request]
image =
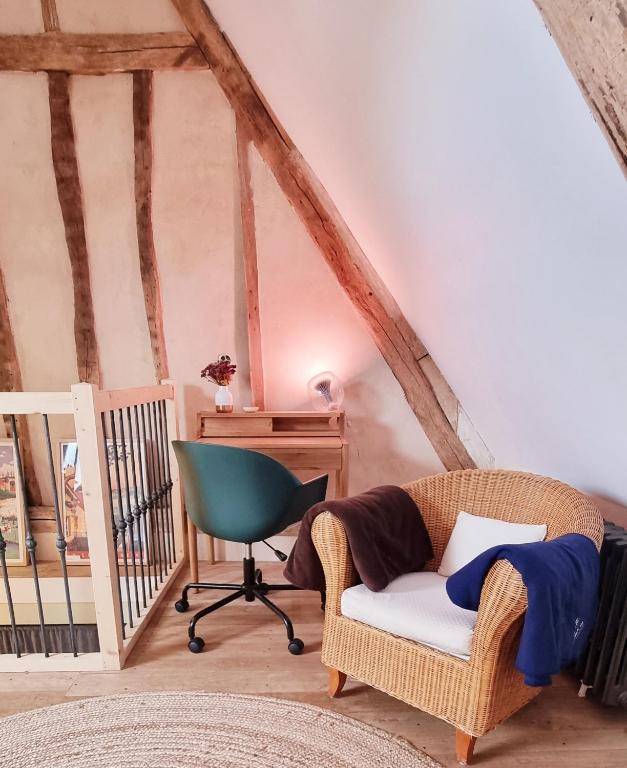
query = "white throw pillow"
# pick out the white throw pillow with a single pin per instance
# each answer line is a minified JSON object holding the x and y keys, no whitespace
{"x":473,"y":534}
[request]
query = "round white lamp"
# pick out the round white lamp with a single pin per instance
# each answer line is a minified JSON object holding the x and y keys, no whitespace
{"x":326,"y":391}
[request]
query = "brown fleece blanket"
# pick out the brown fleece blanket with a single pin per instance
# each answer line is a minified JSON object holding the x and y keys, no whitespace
{"x":386,"y":535}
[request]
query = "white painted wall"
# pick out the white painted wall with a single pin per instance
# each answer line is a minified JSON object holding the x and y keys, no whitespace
{"x":456,"y":144}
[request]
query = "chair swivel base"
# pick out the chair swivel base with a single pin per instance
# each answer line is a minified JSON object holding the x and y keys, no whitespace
{"x":252,"y":588}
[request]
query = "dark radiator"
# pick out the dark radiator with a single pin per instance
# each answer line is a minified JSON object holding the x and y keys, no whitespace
{"x":603,"y":668}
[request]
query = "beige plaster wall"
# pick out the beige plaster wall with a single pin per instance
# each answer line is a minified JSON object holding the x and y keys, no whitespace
{"x":20,"y":17}
{"x":194,"y":211}
{"x":33,"y":252}
{"x":102,"y":109}
{"x":117,"y":16}
{"x":308,"y":324}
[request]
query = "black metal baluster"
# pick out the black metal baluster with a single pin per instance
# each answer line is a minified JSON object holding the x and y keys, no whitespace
{"x":143,"y":506}
{"x":136,"y":509}
{"x":161,"y":489}
{"x":31,"y":544}
{"x":60,"y":541}
{"x":163,"y":430}
{"x":152,"y":429}
{"x":128,"y":516}
{"x":151,"y":494}
{"x":121,"y":522}
{"x":7,"y":587}
{"x":114,"y":527}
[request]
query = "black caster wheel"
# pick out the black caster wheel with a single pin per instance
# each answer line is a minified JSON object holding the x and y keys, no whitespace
{"x":196,"y":644}
{"x":181,"y":606}
{"x":258,"y":576}
{"x":295,"y":646}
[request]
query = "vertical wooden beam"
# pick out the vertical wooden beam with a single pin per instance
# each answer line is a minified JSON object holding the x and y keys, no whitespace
{"x":11,"y":381}
{"x":50,"y":15}
{"x":71,"y":202}
{"x":251,"y":275}
{"x":149,"y":269}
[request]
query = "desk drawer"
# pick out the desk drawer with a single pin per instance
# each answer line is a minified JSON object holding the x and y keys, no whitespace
{"x":317,"y":456}
{"x":295,"y":458}
{"x":233,"y":426}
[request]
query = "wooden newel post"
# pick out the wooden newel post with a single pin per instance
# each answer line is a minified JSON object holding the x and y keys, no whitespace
{"x":178,"y":510}
{"x":102,"y":553}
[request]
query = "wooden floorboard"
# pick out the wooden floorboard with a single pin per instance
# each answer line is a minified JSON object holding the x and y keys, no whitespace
{"x":246,"y":652}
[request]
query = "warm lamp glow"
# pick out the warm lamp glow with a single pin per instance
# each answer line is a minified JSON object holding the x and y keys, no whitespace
{"x":326,"y":391}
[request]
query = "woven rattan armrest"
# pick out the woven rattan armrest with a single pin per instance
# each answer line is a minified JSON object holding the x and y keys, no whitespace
{"x":503,"y":602}
{"x":329,"y":538}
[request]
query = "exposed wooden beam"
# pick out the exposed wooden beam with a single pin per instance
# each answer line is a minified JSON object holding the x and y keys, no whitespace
{"x":11,"y":381}
{"x":71,"y":202}
{"x":99,"y":54}
{"x":251,"y":275}
{"x":592,"y":38}
{"x":50,"y":15}
{"x":393,"y":335}
{"x":149,"y":268}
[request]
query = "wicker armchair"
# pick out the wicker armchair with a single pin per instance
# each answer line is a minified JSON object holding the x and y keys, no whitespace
{"x":473,"y":695}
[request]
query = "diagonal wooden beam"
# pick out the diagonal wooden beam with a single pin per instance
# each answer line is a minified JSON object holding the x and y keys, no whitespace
{"x":251,"y":276}
{"x":11,"y":381}
{"x":99,"y":54}
{"x":592,"y":38}
{"x":148,"y":266}
{"x":390,"y":330}
{"x":71,"y":202}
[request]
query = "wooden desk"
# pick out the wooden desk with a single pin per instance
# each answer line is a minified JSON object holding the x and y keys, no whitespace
{"x":308,"y":440}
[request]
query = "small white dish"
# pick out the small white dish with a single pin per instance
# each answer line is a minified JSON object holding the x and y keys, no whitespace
{"x":250,"y":408}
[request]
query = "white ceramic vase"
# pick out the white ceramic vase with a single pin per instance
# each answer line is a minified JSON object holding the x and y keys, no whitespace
{"x":224,"y":399}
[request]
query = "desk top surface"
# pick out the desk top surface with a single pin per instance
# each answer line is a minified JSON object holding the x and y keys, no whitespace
{"x":271,"y":414}
{"x":277,"y":441}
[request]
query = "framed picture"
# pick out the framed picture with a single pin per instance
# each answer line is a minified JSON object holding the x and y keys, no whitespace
{"x":11,"y":506}
{"x":72,"y":503}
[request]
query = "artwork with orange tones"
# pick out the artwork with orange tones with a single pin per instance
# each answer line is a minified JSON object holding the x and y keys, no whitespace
{"x":11,"y":506}
{"x":73,"y":509}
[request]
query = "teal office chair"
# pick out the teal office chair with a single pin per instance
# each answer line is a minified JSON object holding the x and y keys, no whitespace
{"x":244,"y":496}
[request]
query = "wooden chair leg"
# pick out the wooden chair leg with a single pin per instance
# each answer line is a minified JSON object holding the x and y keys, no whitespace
{"x":464,"y":746}
{"x":336,"y":682}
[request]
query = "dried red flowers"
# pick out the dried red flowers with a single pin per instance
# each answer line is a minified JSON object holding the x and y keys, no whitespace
{"x":221,"y":372}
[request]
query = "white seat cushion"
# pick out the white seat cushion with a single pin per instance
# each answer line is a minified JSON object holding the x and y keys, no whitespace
{"x":414,"y":606}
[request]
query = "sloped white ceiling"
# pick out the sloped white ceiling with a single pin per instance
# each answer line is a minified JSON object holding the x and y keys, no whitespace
{"x":456,"y":144}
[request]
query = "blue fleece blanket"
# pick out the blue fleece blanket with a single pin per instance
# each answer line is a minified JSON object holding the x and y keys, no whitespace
{"x":561,"y":577}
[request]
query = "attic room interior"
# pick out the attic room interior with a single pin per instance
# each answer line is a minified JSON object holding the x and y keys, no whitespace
{"x":312,"y":375}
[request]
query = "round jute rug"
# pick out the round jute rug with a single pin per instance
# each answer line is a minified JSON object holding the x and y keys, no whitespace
{"x":197,"y":730}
